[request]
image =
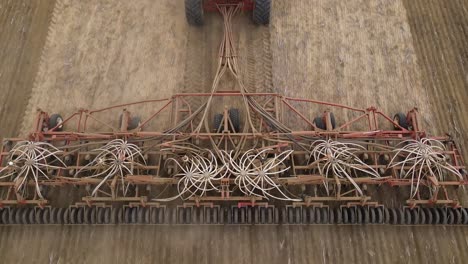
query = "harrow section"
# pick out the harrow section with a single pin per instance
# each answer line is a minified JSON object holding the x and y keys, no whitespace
{"x":233,"y":159}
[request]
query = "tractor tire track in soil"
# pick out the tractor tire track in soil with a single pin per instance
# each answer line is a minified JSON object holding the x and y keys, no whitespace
{"x":23,"y":31}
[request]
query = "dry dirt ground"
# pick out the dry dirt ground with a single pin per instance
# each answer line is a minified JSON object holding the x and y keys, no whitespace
{"x":392,"y":54}
{"x":23,"y":30}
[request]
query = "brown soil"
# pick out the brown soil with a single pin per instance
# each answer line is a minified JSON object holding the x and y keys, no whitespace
{"x":440,"y":35}
{"x":232,"y":244}
{"x":23,"y":30}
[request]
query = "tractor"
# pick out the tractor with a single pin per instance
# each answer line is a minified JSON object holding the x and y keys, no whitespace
{"x":195,"y":9}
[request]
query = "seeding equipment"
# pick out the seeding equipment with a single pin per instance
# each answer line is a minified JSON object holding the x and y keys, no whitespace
{"x":230,"y":157}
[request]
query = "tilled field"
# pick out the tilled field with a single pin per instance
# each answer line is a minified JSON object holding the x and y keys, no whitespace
{"x":23,"y":30}
{"x":391,"y":54}
{"x":440,"y":35}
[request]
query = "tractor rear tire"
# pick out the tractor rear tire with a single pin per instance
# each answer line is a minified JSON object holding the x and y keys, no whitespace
{"x":194,"y":12}
{"x":261,"y":12}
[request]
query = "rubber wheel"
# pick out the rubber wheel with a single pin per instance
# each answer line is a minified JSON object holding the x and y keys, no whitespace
{"x":317,"y":216}
{"x":25,"y":216}
{"x":235,"y":215}
{"x":194,"y":12}
{"x":54,"y":120}
{"x":141,"y":215}
{"x":32,"y":216}
{"x":365,"y":215}
{"x":332,"y":120}
{"x":133,"y":123}
{"x":66,"y":216}
{"x":263,"y":215}
{"x":393,"y":219}
{"x":373,"y":216}
{"x":284,"y":217}
{"x":93,"y":213}
{"x":38,"y":215}
{"x":352,"y":215}
{"x":344,"y":215}
{"x":261,"y":12}
{"x":242,"y":215}
{"x":290,"y":215}
{"x":276,"y":216}
{"x":166,"y":216}
{"x":450,"y":216}
{"x":5,"y":214}
{"x":338,"y":216}
{"x":11,"y":216}
{"x":435,"y":216}
{"x":400,"y":216}
{"x":154,"y":216}
{"x":218,"y":118}
{"x":378,"y":215}
{"x":324,"y":215}
{"x":331,"y":216}
{"x":256,"y":215}
{"x":53,"y":215}
{"x":207,"y":215}
{"x":318,"y":122}
{"x":80,"y":215}
{"x":414,"y":217}
{"x":161,"y":213}
{"x":422,"y":216}
{"x":359,"y":218}
{"x":46,"y":216}
{"x":386,"y":213}
{"x":234,"y":115}
{"x":464,"y":212}
{"x":59,"y":216}
{"x":18,"y":216}
{"x":119,"y":215}
{"x":428,"y":216}
{"x":127,"y":214}
{"x":216,"y":214}
{"x":311,"y":213}
{"x":298,"y":215}
{"x":87,"y":215}
{"x":134,"y":215}
{"x":443,"y":216}
{"x":408,"y":217}
{"x":221,"y":215}
{"x":147,"y":217}
{"x":99,"y":215}
{"x":400,"y":119}
{"x":458,"y":216}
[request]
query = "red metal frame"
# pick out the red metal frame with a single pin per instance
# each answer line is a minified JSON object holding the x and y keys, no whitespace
{"x":371,"y":119}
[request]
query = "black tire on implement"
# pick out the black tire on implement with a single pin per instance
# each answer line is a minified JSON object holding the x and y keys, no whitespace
{"x":194,"y":12}
{"x":318,"y":122}
{"x":400,"y":119}
{"x":218,"y":118}
{"x":54,"y":120}
{"x":234,"y":115}
{"x":261,"y":12}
